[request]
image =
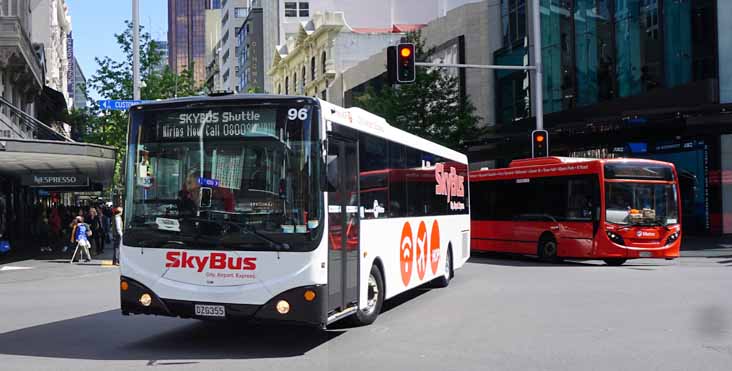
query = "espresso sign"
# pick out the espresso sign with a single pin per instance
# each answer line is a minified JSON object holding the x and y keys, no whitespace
{"x":230,"y":123}
{"x":50,"y":181}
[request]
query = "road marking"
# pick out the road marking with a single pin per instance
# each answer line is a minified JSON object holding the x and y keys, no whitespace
{"x":107,"y":264}
{"x":13,"y":268}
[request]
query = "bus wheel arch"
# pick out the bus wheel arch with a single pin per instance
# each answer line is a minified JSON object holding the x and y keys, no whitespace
{"x":547,"y":248}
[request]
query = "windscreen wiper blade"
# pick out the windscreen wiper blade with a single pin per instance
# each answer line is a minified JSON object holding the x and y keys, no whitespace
{"x":250,"y":229}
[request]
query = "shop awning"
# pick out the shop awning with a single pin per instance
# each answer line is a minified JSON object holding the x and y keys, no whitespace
{"x":51,"y":163}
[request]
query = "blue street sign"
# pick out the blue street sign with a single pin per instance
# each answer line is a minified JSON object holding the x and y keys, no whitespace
{"x":118,"y":105}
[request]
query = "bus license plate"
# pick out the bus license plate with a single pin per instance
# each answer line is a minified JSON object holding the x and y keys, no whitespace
{"x":645,"y":254}
{"x":210,"y":310}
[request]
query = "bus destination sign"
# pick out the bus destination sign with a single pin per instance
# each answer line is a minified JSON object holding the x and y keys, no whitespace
{"x":218,"y":124}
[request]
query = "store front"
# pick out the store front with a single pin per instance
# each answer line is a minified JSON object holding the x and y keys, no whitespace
{"x":36,"y":175}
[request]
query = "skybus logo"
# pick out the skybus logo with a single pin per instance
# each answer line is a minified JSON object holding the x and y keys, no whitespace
{"x":450,"y":184}
{"x":216,"y":260}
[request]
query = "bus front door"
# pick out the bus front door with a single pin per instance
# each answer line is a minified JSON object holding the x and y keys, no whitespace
{"x":343,"y":224}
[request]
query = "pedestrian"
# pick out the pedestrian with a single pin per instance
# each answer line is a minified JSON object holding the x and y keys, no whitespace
{"x":117,"y":231}
{"x":80,"y":236}
{"x":107,"y":213}
{"x":55,"y":223}
{"x":95,"y":222}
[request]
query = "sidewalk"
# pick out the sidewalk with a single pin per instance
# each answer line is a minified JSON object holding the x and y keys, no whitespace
{"x":706,"y":246}
{"x":22,"y":254}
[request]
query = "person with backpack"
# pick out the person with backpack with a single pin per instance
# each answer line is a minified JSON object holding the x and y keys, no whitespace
{"x":80,"y":234}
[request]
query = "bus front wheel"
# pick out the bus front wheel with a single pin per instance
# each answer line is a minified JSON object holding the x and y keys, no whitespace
{"x":548,"y":250}
{"x":374,"y":299}
{"x":444,"y":280}
{"x":615,"y":262}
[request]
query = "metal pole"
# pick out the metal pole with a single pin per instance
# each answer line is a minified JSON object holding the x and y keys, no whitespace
{"x":478,"y":66}
{"x":136,"y":49}
{"x":538,"y":76}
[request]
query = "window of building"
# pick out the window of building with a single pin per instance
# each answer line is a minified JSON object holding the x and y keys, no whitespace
{"x":304,"y":77}
{"x":312,"y":69}
{"x":225,"y":38}
{"x":323,"y":62}
{"x":226,"y":75}
{"x":225,"y":18}
{"x":513,"y":14}
{"x":279,"y":88}
{"x":225,"y":57}
{"x":287,"y":86}
{"x":294,"y":83}
{"x":290,"y":9}
{"x":241,"y":12}
{"x":304,"y":10}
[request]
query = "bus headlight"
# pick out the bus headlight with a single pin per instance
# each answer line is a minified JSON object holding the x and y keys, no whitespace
{"x":618,"y":239}
{"x":673,"y":237}
{"x":283,"y":307}
{"x":145,"y":299}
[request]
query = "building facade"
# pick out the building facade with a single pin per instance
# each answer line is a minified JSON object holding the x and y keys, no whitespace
{"x":624,"y":79}
{"x":325,"y":47}
{"x":80,"y":93}
{"x":51,"y":27}
{"x":233,"y":14}
{"x":282,"y":19}
{"x":250,"y":52}
{"x":164,"y":54}
{"x":186,"y":37}
{"x":213,"y":49}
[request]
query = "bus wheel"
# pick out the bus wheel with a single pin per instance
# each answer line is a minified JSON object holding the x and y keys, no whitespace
{"x":548,"y":250}
{"x":374,"y":299}
{"x":444,"y":280}
{"x":615,"y":262}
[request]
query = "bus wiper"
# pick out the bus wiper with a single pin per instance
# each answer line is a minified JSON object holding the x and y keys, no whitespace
{"x":248,"y":228}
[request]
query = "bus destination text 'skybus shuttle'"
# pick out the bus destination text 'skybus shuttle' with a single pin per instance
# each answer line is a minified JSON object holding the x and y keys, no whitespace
{"x":553,"y":207}
{"x":284,"y":208}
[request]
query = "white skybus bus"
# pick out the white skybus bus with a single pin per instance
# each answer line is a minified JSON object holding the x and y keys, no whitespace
{"x":284,"y":208}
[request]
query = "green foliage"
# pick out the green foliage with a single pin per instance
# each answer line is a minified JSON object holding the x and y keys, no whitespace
{"x":431,"y":108}
{"x":113,"y":80}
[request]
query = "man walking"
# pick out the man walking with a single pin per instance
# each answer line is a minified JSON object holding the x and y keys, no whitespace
{"x":117,"y":231}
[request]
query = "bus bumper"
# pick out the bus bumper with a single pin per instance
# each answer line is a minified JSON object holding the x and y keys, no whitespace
{"x":300,"y":310}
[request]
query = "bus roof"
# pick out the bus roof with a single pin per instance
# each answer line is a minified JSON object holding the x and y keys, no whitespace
{"x":361,"y":120}
{"x":354,"y":117}
{"x":555,"y":160}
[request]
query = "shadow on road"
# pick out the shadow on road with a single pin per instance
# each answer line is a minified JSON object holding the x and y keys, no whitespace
{"x":515,"y":260}
{"x":111,"y":336}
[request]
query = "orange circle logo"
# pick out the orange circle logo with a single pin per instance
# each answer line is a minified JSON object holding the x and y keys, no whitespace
{"x":435,"y":246}
{"x":421,"y":253}
{"x":405,"y":254}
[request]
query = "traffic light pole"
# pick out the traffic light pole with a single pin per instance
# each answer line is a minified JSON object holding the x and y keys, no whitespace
{"x":478,"y":66}
{"x":538,"y":67}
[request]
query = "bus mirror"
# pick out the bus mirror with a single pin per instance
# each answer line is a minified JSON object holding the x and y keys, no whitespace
{"x":205,"y":199}
{"x":331,"y":177}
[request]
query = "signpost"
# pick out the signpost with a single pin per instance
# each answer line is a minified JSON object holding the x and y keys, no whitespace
{"x":118,"y":105}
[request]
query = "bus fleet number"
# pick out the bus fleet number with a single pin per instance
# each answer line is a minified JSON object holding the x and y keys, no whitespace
{"x":295,"y":114}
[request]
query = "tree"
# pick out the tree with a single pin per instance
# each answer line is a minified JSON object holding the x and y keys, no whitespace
{"x":113,"y":80}
{"x":431,"y":108}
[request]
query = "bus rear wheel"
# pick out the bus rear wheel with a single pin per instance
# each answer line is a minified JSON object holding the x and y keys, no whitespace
{"x":615,"y":262}
{"x":374,"y":299}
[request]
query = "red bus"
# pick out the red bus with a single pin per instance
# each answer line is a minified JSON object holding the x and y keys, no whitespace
{"x":555,"y":207}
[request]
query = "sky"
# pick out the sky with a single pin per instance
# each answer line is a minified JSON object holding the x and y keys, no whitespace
{"x":95,"y":22}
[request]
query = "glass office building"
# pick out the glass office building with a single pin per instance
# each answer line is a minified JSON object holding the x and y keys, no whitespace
{"x":625,"y":78}
{"x":186,"y":37}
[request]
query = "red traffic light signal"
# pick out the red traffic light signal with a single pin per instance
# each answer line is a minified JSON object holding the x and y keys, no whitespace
{"x":539,"y":143}
{"x":400,"y":64}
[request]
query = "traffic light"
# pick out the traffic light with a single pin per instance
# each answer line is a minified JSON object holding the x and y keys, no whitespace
{"x":400,"y":63}
{"x":539,"y":143}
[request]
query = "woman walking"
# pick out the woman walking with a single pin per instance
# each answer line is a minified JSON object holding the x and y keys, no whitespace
{"x":95,"y":222}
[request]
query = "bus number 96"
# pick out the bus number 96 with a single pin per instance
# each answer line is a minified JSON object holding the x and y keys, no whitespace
{"x":295,"y":114}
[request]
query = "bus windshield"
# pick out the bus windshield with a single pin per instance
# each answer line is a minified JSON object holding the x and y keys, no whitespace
{"x":637,"y":203}
{"x":224,"y":177}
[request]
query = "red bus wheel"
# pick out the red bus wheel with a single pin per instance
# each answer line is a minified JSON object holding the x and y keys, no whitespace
{"x":548,"y":249}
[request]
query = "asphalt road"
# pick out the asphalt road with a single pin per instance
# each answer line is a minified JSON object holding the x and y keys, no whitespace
{"x":498,"y":314}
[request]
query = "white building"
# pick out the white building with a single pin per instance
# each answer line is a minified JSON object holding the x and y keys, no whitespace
{"x":51,"y":26}
{"x":325,"y":46}
{"x":212,"y":58}
{"x":233,"y":14}
{"x":282,"y":18}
